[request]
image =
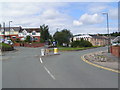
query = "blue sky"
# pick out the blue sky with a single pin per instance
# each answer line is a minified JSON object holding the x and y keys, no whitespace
{"x":79,"y":17}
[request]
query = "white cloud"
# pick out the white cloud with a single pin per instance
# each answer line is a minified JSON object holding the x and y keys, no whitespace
{"x":77,"y":23}
{"x":36,"y":14}
{"x":113,"y":13}
{"x":88,"y":19}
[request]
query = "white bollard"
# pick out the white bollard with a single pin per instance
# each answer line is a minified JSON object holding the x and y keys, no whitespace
{"x":55,"y":50}
{"x":42,"y":52}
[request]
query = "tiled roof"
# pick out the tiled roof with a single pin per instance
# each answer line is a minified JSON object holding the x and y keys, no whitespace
{"x":99,"y":37}
{"x":30,"y":29}
{"x":15,"y":28}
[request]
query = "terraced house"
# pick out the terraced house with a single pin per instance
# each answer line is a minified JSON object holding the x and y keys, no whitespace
{"x":10,"y":32}
{"x":19,"y":32}
{"x":96,"y":40}
{"x":34,"y":33}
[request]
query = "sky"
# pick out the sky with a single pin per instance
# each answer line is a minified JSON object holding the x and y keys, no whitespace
{"x":78,"y":17}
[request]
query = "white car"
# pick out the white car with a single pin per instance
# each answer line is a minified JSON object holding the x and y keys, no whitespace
{"x":8,"y":42}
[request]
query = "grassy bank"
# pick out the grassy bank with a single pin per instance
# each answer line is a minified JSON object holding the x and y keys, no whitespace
{"x":73,"y":49}
{"x":6,"y":47}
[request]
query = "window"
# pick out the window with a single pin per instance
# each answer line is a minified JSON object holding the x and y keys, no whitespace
{"x":36,"y":38}
{"x":14,"y":37}
{"x":2,"y":31}
{"x":33,"y":33}
{"x":24,"y":32}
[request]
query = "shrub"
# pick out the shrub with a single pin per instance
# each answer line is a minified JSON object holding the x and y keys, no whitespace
{"x":81,"y":43}
{"x":28,"y":39}
{"x":17,"y":40}
{"x":75,"y":44}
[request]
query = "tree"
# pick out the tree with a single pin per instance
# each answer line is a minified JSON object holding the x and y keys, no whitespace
{"x":63,"y":36}
{"x":28,"y":39}
{"x":45,"y":35}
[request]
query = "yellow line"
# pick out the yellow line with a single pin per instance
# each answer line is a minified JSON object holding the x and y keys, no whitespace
{"x":99,"y":65}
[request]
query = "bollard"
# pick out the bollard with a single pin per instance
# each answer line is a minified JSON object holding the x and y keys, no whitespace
{"x":42,"y":52}
{"x":55,"y":50}
{"x":47,"y":51}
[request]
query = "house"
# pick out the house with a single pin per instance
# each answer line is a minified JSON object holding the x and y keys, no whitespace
{"x":34,"y":33}
{"x":96,"y":40}
{"x":84,"y":36}
{"x":9,"y":33}
{"x":116,"y":41}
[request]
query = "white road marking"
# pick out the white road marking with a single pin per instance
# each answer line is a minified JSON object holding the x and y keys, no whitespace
{"x":41,"y":60}
{"x":49,"y":73}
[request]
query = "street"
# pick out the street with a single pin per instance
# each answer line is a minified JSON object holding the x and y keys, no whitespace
{"x":25,"y":69}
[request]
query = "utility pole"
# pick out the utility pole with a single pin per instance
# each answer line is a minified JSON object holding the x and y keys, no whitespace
{"x":108,"y":31}
{"x":9,"y":28}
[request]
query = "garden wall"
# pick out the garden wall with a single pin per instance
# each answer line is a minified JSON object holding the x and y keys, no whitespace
{"x":115,"y":50}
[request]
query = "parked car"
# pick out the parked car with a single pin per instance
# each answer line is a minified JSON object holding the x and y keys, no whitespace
{"x":8,"y":42}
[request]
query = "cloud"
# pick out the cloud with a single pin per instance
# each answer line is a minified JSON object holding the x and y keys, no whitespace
{"x":97,"y":7}
{"x":53,"y":14}
{"x":113,"y":13}
{"x":88,"y":19}
{"x":77,"y":23}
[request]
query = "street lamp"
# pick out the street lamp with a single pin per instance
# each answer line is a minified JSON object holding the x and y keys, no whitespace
{"x":105,"y":13}
{"x":4,"y":29}
{"x":9,"y":28}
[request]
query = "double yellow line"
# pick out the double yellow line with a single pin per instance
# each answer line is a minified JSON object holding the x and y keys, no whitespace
{"x":116,"y":71}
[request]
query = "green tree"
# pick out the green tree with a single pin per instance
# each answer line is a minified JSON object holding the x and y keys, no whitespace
{"x":28,"y":39}
{"x":63,"y":36}
{"x":44,"y":31}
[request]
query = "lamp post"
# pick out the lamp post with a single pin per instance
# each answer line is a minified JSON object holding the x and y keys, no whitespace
{"x":9,"y":28}
{"x":4,"y":29}
{"x":105,"y":13}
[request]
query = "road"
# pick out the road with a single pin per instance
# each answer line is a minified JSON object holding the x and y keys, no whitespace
{"x":25,"y":69}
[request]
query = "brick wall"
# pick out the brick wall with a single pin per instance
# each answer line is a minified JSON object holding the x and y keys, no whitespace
{"x":115,"y":50}
{"x":34,"y":45}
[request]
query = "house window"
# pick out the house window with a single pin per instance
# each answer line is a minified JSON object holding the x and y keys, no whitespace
{"x":24,"y":32}
{"x":2,"y":31}
{"x":36,"y":38}
{"x":11,"y":31}
{"x":33,"y":33}
{"x":14,"y":37}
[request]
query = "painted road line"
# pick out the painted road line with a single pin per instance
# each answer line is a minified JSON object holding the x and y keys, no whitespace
{"x":41,"y":60}
{"x":99,"y":65}
{"x":49,"y":73}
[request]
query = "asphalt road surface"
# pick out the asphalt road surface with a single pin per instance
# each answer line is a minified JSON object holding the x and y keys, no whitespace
{"x":25,"y":69}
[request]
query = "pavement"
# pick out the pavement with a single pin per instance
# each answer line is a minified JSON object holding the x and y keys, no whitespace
{"x":104,"y":58}
{"x":26,"y":69}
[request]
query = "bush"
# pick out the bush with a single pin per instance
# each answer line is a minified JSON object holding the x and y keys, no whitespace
{"x":17,"y":40}
{"x":81,"y":43}
{"x":28,"y":39}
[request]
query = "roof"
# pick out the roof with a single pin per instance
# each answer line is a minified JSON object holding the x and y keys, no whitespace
{"x":99,"y":37}
{"x":30,"y":29}
{"x":116,"y":39}
{"x":83,"y":36}
{"x":14,"y":28}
